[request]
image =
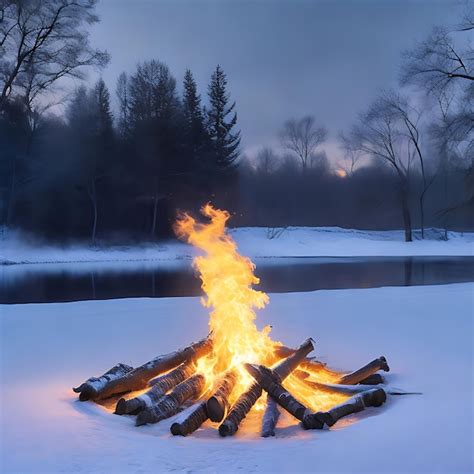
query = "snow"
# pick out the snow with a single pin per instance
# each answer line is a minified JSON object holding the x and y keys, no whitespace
{"x":252,"y":241}
{"x":426,"y":333}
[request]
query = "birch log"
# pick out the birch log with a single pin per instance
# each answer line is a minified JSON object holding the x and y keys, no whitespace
{"x":138,"y":378}
{"x":271,"y":383}
{"x":270,"y":418}
{"x":160,"y":386}
{"x":89,"y":389}
{"x":191,"y":421}
{"x":170,"y":404}
{"x":365,"y":371}
{"x":369,"y":398}
{"x":218,"y":404}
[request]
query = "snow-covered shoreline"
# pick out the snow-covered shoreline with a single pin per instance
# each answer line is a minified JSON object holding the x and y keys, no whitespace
{"x":425,"y":333}
{"x":253,"y":242}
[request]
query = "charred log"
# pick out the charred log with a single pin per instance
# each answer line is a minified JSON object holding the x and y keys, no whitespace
{"x":247,"y":400}
{"x":170,"y":404}
{"x":239,"y":411}
{"x":191,"y":421}
{"x":92,"y":386}
{"x":218,"y":404}
{"x":138,"y":378}
{"x":369,"y":398}
{"x":270,"y":382}
{"x":160,"y":386}
{"x":364,"y":372}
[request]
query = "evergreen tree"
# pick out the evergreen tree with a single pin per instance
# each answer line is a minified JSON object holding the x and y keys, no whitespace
{"x":221,"y":121}
{"x":102,"y":110}
{"x":196,"y":138}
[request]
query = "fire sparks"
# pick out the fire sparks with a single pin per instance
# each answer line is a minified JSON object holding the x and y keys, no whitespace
{"x":227,"y":280}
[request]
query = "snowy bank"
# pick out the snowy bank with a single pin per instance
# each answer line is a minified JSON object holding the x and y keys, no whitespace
{"x":426,"y":333}
{"x":253,"y":242}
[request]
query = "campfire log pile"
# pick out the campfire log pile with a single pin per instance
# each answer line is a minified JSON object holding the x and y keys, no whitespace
{"x":237,"y":367}
{"x":170,"y":383}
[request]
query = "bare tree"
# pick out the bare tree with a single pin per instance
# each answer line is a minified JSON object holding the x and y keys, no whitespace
{"x":302,"y":137}
{"x":443,"y":67}
{"x":438,"y":62}
{"x":379,"y":134}
{"x":351,"y":154}
{"x":266,"y":161}
{"x":410,"y":118}
{"x":42,"y":42}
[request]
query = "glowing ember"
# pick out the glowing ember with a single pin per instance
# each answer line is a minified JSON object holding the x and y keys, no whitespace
{"x":227,"y":279}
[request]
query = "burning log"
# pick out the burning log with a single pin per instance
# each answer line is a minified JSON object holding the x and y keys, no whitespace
{"x":369,"y":398}
{"x":364,"y":372}
{"x":170,"y":404}
{"x":218,"y":404}
{"x":247,"y":400}
{"x":160,"y":386}
{"x":215,"y":408}
{"x":191,"y":421}
{"x":270,"y":381}
{"x":282,"y":352}
{"x":270,"y":418}
{"x":89,"y":389}
{"x":138,"y":378}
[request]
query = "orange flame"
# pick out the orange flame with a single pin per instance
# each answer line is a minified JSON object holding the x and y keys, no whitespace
{"x":227,"y":280}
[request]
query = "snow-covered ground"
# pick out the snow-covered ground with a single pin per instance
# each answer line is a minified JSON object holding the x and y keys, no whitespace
{"x":426,"y":333}
{"x":254,"y":242}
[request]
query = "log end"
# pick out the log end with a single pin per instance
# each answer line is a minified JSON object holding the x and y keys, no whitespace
{"x":129,"y":407}
{"x":78,"y":389}
{"x":316,"y":421}
{"x":216,"y":409}
{"x":143,"y":418}
{"x":384,"y":365}
{"x":176,"y":430}
{"x":88,"y":393}
{"x":374,"y":398}
{"x":121,"y":407}
{"x":228,"y":428}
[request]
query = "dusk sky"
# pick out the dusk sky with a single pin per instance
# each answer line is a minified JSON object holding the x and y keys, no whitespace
{"x":283,"y":59}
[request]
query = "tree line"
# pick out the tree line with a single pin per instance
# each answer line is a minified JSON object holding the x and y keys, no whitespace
{"x":94,"y":173}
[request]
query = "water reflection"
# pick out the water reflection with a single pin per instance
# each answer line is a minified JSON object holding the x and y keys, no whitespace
{"x":73,"y":282}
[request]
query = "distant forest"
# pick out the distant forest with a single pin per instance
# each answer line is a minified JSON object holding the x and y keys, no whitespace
{"x":99,"y":174}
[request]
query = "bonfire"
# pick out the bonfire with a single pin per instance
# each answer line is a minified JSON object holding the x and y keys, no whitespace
{"x":237,"y":367}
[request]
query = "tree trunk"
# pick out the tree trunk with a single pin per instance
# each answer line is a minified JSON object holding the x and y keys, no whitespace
{"x":422,"y":214}
{"x":406,"y":217}
{"x":138,"y":378}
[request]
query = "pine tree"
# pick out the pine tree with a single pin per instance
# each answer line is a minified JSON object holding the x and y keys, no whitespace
{"x":225,"y":142}
{"x":103,"y":113}
{"x":196,"y":138}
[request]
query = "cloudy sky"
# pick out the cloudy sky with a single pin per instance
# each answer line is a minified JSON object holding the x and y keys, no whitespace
{"x":283,"y":58}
